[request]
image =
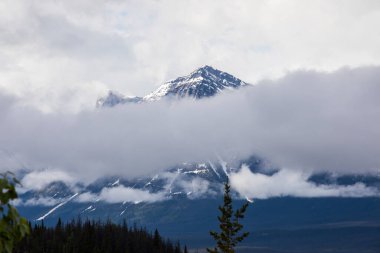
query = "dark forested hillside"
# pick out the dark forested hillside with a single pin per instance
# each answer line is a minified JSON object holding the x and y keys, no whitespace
{"x":92,"y":237}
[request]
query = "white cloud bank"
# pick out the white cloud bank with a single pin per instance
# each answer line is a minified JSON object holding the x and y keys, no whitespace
{"x":37,"y":180}
{"x":292,"y":183}
{"x":306,"y":121}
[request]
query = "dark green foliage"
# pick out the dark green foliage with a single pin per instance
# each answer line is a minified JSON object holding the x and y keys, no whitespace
{"x":229,"y":225}
{"x":94,"y":237}
{"x":12,"y":227}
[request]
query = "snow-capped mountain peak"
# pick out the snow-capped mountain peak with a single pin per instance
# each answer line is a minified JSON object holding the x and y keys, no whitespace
{"x":203,"y":82}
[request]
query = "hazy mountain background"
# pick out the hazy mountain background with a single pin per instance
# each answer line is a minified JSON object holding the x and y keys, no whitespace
{"x":292,"y":211}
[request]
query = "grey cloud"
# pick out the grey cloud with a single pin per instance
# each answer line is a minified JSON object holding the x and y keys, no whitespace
{"x":309,"y":121}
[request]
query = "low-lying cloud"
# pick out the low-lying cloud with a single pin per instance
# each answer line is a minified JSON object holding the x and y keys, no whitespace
{"x":37,"y":180}
{"x":197,"y":188}
{"x":306,"y":121}
{"x":42,"y":201}
{"x":120,"y":194}
{"x":292,"y":183}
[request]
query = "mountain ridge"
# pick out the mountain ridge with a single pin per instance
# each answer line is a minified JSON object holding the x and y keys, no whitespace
{"x":203,"y":82}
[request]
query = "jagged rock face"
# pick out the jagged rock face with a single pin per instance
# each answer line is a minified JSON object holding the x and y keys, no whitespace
{"x":201,"y":83}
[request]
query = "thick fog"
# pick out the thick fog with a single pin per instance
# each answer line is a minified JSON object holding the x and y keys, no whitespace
{"x":306,"y":121}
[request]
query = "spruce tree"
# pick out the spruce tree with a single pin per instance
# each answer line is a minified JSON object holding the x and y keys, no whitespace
{"x":229,"y":224}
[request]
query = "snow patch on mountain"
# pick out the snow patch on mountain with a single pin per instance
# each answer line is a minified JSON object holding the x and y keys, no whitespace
{"x":203,"y":82}
{"x":56,"y":207}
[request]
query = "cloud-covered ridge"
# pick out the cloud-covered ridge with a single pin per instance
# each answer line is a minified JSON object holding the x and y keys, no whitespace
{"x":305,"y":121}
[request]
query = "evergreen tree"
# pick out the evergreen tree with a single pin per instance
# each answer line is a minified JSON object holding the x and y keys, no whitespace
{"x":157,"y":239}
{"x":177,"y":248}
{"x":93,"y":237}
{"x":13,"y":227}
{"x":229,"y":225}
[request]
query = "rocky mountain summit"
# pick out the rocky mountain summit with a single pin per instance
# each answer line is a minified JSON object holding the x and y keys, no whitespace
{"x":201,"y":83}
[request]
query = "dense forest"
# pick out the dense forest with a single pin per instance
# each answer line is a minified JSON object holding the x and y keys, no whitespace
{"x":93,"y":237}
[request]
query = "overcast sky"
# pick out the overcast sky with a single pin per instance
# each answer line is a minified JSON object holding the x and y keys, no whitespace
{"x":61,"y":55}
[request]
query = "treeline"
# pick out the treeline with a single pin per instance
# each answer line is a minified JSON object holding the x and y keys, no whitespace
{"x":94,"y":237}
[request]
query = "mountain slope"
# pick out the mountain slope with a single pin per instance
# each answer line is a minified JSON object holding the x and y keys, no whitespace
{"x":189,"y":193}
{"x":201,"y":83}
{"x":285,"y":224}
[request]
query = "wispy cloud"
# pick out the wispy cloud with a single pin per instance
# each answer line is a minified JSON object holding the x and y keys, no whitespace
{"x":42,"y":201}
{"x":121,"y":194}
{"x":197,"y":188}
